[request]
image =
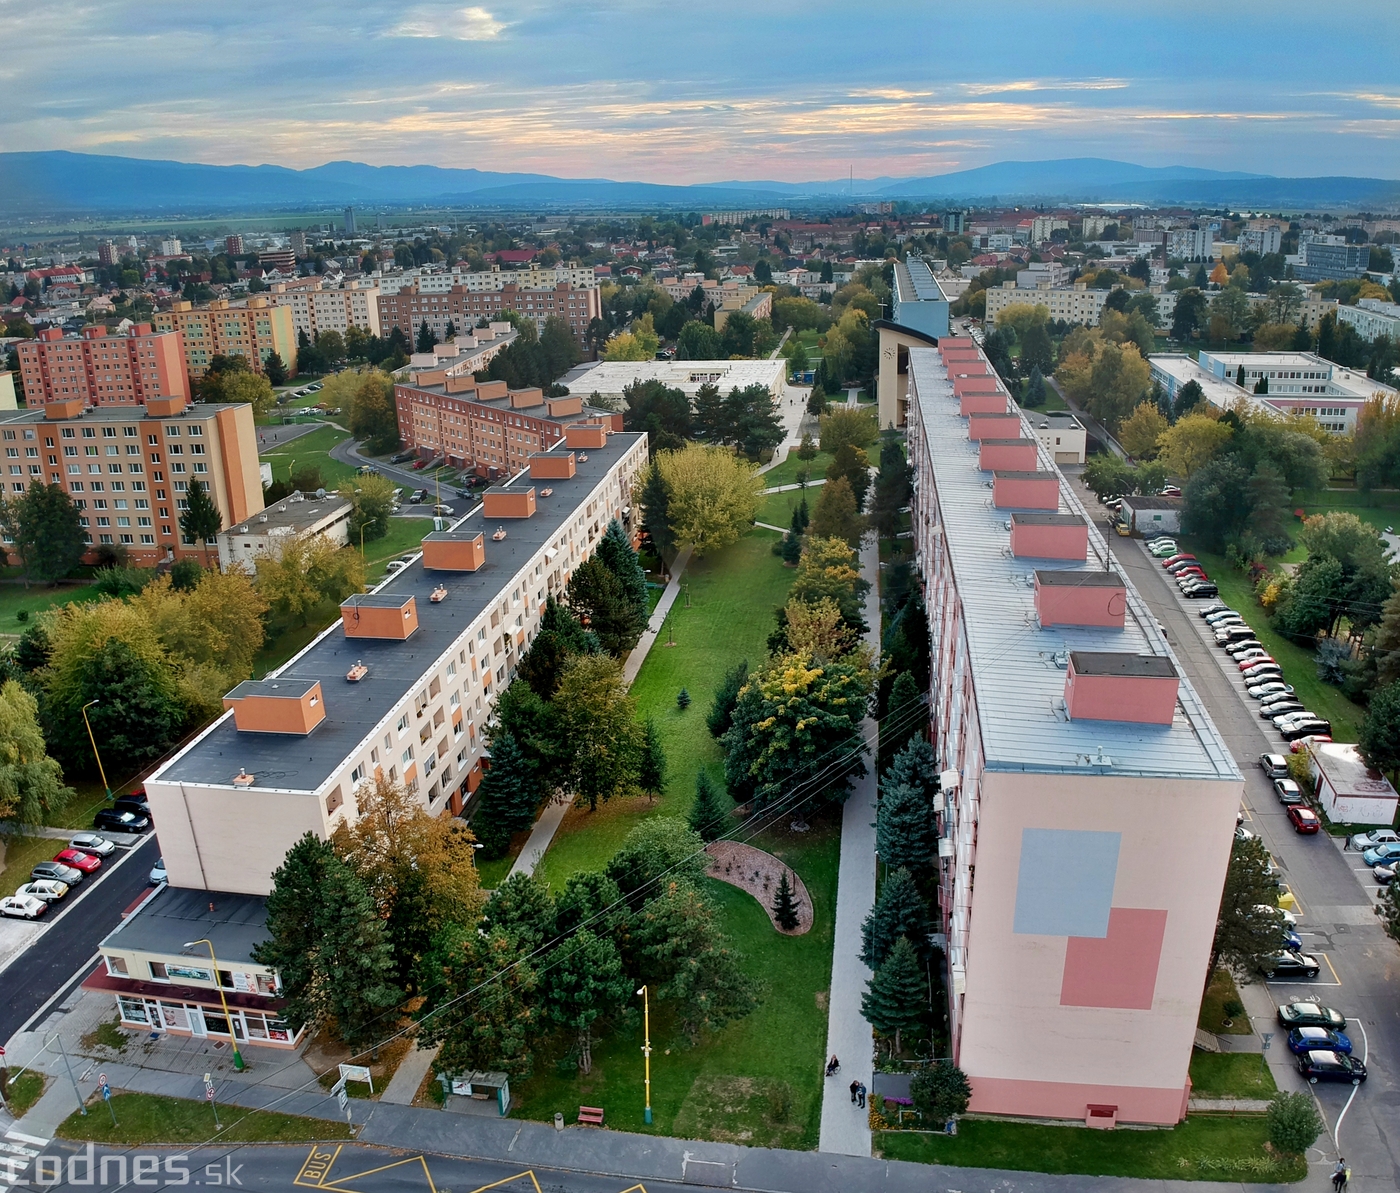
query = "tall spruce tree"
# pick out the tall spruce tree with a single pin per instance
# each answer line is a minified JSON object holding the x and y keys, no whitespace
{"x":785,"y":905}
{"x":656,"y":515}
{"x":899,"y":911}
{"x":201,"y":520}
{"x":905,"y":716}
{"x":616,"y":554}
{"x":426,"y":339}
{"x":726,"y":697}
{"x":905,"y":831}
{"x":651,"y":767}
{"x":510,"y":795}
{"x":708,"y":815}
{"x":893,"y":488}
{"x":914,"y":766}
{"x":596,"y":594}
{"x":791,"y":549}
{"x":896,"y":997}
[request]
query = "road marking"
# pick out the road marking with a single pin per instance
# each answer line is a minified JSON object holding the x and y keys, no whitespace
{"x":1328,"y":959}
{"x":1365,"y":1052}
{"x":23,"y":1138}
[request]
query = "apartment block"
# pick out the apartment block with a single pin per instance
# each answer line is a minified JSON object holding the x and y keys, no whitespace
{"x":1073,"y":304}
{"x":1371,"y":317}
{"x":409,"y":309}
{"x":1066,"y":734}
{"x":127,"y":468}
{"x":537,"y":277}
{"x":1191,"y":244}
{"x":919,"y":301}
{"x":323,"y":307}
{"x":1261,"y":240}
{"x":102,"y":368}
{"x":756,"y":304}
{"x":291,"y":751}
{"x":1330,"y":258}
{"x":253,"y":330}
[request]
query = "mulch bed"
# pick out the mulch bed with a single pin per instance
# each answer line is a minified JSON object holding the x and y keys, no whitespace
{"x":758,"y":873}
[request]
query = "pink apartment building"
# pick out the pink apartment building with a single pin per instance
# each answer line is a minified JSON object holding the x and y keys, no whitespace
{"x":1083,"y":782}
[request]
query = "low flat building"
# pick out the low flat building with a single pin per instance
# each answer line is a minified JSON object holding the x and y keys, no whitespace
{"x":1348,"y":790}
{"x":267,"y":533}
{"x":605,"y":382}
{"x":1061,"y":434}
{"x":1152,"y":515}
{"x":919,"y":299}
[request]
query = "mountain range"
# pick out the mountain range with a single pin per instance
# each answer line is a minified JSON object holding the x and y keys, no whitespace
{"x":62,"y":182}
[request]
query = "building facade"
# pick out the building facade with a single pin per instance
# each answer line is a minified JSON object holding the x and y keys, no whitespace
{"x":1066,"y":735}
{"x":103,"y":368}
{"x":254,"y":331}
{"x":919,"y":301}
{"x":329,"y":308}
{"x":537,"y":277}
{"x":1331,"y":259}
{"x":1072,"y":304}
{"x":268,"y":532}
{"x":1191,"y":244}
{"x":607,"y":380}
{"x":409,"y":309}
{"x":1371,"y":317}
{"x":291,"y":752}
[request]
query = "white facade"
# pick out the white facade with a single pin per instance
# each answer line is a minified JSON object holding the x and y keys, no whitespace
{"x":1349,"y":792}
{"x":268,"y":532}
{"x":608,"y":379}
{"x":1043,"y":225}
{"x":1191,"y":243}
{"x":1261,"y":240}
{"x":1371,"y":317}
{"x":1073,"y":304}
{"x":536,"y":278}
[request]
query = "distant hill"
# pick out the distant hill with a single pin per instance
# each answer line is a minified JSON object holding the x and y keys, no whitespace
{"x":60,"y":182}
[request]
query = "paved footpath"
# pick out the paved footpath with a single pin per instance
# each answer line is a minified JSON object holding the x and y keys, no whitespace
{"x":846,"y":1128}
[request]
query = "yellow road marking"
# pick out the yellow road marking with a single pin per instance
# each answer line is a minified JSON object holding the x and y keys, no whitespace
{"x":315,"y":1167}
{"x":1328,"y":959}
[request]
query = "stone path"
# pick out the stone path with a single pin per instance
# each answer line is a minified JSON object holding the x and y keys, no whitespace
{"x":846,"y":1129}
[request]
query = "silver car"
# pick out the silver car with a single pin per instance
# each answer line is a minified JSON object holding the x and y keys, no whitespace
{"x":1377,"y":836}
{"x":94,"y":843}
{"x":1275,"y":766}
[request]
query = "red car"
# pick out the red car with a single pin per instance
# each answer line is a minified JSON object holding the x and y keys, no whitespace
{"x":78,"y":860}
{"x":1255,"y":661}
{"x":1181,"y":558}
{"x":1300,"y":745}
{"x":1303,"y":819}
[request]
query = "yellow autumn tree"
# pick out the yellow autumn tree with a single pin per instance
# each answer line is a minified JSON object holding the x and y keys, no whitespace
{"x":1193,"y":442}
{"x":713,"y":495}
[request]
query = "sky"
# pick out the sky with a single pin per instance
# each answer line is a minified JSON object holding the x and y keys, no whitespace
{"x":683,"y":93}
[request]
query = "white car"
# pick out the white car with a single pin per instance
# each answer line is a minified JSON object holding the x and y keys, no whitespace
{"x":43,"y":888}
{"x":1377,"y":836}
{"x":157,"y":874}
{"x":1273,"y":688}
{"x":394,"y":565}
{"x":1285,"y":917}
{"x":23,"y":907}
{"x":94,"y":843}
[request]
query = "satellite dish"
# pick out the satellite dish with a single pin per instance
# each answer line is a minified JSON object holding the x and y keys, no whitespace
{"x":320,"y":494}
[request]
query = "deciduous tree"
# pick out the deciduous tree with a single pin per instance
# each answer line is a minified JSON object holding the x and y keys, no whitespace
{"x":835,"y":516}
{"x":371,"y":505}
{"x":31,"y":783}
{"x":660,"y":849}
{"x":940,"y":1092}
{"x":597,"y":718}
{"x":711,"y":496}
{"x":44,"y":528}
{"x":1141,"y":430}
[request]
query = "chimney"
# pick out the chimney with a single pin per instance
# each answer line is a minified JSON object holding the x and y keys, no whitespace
{"x":1013,"y":454}
{"x":1049,"y":536}
{"x":1106,"y":686}
{"x":585,"y":435}
{"x":1026,"y":490}
{"x":1080,"y":597}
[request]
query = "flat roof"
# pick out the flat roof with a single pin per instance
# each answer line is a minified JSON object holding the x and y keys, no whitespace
{"x":303,"y":764}
{"x":1139,"y":502}
{"x":273,"y":689}
{"x":1078,"y":578}
{"x":613,"y":376}
{"x":922,"y":285}
{"x":1017,"y":667}
{"x":1111,"y":662}
{"x":193,"y":412}
{"x":299,"y":509}
{"x":174,"y":916}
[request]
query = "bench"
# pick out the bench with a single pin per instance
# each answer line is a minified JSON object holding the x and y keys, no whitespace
{"x":590,"y":1116}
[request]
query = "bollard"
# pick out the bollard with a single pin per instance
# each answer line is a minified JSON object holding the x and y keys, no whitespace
{"x":558,"y":1120}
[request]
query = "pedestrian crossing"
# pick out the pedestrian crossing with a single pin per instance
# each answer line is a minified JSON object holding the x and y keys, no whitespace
{"x":17,"y":1152}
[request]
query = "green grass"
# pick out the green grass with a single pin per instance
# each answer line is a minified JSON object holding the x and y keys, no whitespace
{"x":1299,"y":666}
{"x":786,"y":472}
{"x":150,"y":1118}
{"x":24,"y":1091}
{"x":15,"y":598}
{"x":404,"y":538}
{"x":1212,"y":1017}
{"x":309,"y":450}
{"x":724,"y":1088}
{"x":22,"y":854}
{"x":1204,"y":1148}
{"x":776,"y":509}
{"x":1231,"y":1075}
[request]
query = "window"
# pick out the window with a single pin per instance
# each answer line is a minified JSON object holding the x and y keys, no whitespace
{"x":116,"y":966}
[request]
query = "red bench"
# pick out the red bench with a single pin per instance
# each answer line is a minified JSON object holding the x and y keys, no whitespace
{"x":590,"y":1116}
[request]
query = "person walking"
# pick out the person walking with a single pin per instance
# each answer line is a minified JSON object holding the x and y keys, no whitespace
{"x":860,"y":1100}
{"x":1339,"y":1175}
{"x":855,"y":1091}
{"x":833,"y":1065}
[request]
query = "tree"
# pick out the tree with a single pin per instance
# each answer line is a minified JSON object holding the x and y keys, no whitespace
{"x":905,"y":831}
{"x":1216,"y":502}
{"x":903,"y":719}
{"x":373,"y":416}
{"x":1247,"y":932}
{"x":854,"y":465}
{"x":222,"y":369}
{"x":754,"y":425}
{"x":1035,"y":389}
{"x":616,"y":554}
{"x":1269,"y":514}
{"x":835,"y":516}
{"x":940,"y":1092}
{"x":1189,"y":315}
{"x":1194,"y":441}
{"x":521,"y":907}
{"x":1188,"y":397}
{"x":896,"y":997}
{"x":136,"y":715}
{"x":1118,"y":380}
{"x":200,"y":521}
{"x":660,"y":410}
{"x":371,"y":501}
{"x":1037,"y":351}
{"x":697,"y":341}
{"x":806,"y":449}
{"x":659,"y":849}
{"x":710,"y":415}
{"x":711,"y":496}
{"x":559,"y":637}
{"x":828,"y":571}
{"x":47,"y":535}
{"x":31,"y":783}
{"x":309,"y":572}
{"x":656,"y":512}
{"x":252,"y":388}
{"x":1379,"y":739}
{"x":785,"y":905}
{"x":651,"y":766}
{"x":275,"y":369}
{"x":1141,"y":431}
{"x":708,"y":815}
{"x":842,"y":426}
{"x":899,"y":911}
{"x":426,"y":340}
{"x":508,"y":797}
{"x":599,"y":600}
{"x":598,"y":719}
{"x":726,"y":697}
{"x":1294,"y":1123}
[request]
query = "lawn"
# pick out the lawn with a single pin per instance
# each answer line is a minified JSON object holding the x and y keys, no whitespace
{"x":776,"y":509}
{"x":1212,"y":1018}
{"x":404,"y":538}
{"x":15,"y":598}
{"x":1204,"y":1148}
{"x":22,"y":854}
{"x":25,"y":1090}
{"x":1231,"y":1075}
{"x":310,"y":450}
{"x":786,"y":472}
{"x":1299,"y":666}
{"x":150,"y":1118}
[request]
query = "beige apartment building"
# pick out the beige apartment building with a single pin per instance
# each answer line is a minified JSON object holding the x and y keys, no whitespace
{"x":409,"y":309}
{"x":253,"y":331}
{"x":324,"y":307}
{"x":1073,"y":304}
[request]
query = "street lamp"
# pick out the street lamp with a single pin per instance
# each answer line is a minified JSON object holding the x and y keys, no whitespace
{"x":646,"y":1047}
{"x":233,"y":1035}
{"x":95,"y":754}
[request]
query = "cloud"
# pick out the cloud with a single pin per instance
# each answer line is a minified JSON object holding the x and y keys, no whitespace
{"x":465,"y":24}
{"x":1044,"y":85}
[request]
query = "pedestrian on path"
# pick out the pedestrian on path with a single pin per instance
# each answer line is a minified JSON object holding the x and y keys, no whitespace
{"x":860,"y":1100}
{"x":833,"y":1065}
{"x":1339,"y":1175}
{"x":855,"y":1091}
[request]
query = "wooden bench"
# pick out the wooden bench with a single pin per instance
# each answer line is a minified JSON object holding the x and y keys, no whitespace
{"x":590,"y":1116}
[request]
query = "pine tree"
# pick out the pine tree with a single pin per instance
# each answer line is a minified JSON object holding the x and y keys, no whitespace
{"x":425,"y":337}
{"x":1035,"y":388}
{"x":683,"y":699}
{"x":913,"y":766}
{"x":598,"y":595}
{"x":201,"y":520}
{"x":802,"y":512}
{"x":584,"y":981}
{"x":708,"y":816}
{"x":785,"y":905}
{"x":893,"y":488}
{"x":616,"y":554}
{"x":510,"y":794}
{"x":791,"y":549}
{"x":450,"y":332}
{"x":722,"y":708}
{"x":905,"y":832}
{"x":356,"y":956}
{"x":275,"y":369}
{"x":899,"y":911}
{"x":656,"y":502}
{"x":709,"y":413}
{"x":905,"y":715}
{"x":651,"y":769}
{"x":896,"y":997}
{"x":807,"y":450}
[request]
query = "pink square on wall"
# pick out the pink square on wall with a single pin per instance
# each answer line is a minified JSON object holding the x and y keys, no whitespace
{"x":1118,"y":970}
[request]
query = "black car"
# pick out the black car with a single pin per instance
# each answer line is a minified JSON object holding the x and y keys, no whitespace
{"x":1218,"y":607}
{"x":57,"y":872}
{"x":136,"y":803}
{"x":1331,"y":1066}
{"x":1289,"y":964}
{"x":114,"y":820}
{"x":1296,"y":729}
{"x":1270,"y":711}
{"x":1311,"y":1014}
{"x":1201,"y":590}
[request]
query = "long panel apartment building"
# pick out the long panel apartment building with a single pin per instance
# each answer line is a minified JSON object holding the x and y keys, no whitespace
{"x":413,"y":306}
{"x":253,"y":330}
{"x":101,"y":367}
{"x":1067,"y":737}
{"x":322,"y":307}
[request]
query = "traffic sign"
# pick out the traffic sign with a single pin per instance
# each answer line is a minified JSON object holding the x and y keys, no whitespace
{"x":343,"y":1099}
{"x":106,"y":1091}
{"x":102,"y":1079}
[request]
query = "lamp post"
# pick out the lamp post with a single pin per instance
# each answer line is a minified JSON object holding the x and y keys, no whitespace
{"x":233,"y":1035}
{"x":646,"y":1047}
{"x":95,"y":754}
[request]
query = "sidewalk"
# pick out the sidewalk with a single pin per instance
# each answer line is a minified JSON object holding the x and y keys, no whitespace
{"x":845,"y":1128}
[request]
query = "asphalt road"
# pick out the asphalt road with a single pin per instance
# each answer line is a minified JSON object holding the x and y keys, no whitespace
{"x":62,"y":953}
{"x":1335,"y":905}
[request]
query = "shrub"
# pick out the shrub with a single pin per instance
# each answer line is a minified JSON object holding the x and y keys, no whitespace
{"x":1294,"y":1124}
{"x":683,"y":699}
{"x":940,"y":1091}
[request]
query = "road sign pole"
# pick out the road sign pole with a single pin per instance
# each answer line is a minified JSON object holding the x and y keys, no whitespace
{"x":69,"y":1066}
{"x":209,"y":1095}
{"x":107,"y":1096}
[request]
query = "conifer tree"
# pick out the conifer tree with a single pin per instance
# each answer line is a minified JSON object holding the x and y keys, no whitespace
{"x":913,"y":766}
{"x":785,"y":905}
{"x":904,"y":828}
{"x":616,"y":554}
{"x":805,"y":514}
{"x":201,"y":520}
{"x":651,"y":767}
{"x":425,"y":337}
{"x":896,"y":997}
{"x":791,"y":549}
{"x":905,"y":716}
{"x":727,"y":696}
{"x":656,"y":514}
{"x":510,"y":795}
{"x":708,"y":815}
{"x":899,"y":911}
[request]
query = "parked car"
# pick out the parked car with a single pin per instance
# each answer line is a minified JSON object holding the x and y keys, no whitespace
{"x":417,"y":497}
{"x":157,"y":874}
{"x":1273,"y":687}
{"x":1331,"y":1066}
{"x":442,"y":511}
{"x":1171,"y":490}
{"x":1379,"y":854}
{"x":1304,"y":820}
{"x":1284,"y":916}
{"x":1233,"y":649}
{"x":1182,"y":565}
{"x":1288,"y":791}
{"x":1259,"y":672}
{"x":1163,"y":550}
{"x":92,"y":843}
{"x":44,"y":888}
{"x":1384,"y":875}
{"x":1219,"y":610}
{"x":1310,"y":1014}
{"x":58,"y":872}
{"x":78,"y":859}
{"x":110,"y":820}
{"x":1298,"y":729}
{"x":394,"y":565}
{"x":1377,"y":836}
{"x":1177,"y":558}
{"x":1306,"y":1039}
{"x":1243,"y":834}
{"x":23,"y":907}
{"x":1299,"y":744}
{"x":1284,"y":719}
{"x":1254,"y":656}
{"x":1234,"y":633}
{"x":1198,"y":591}
{"x":1288,"y":964}
{"x":1269,"y":711}
{"x":136,"y":803}
{"x":1275,"y":766}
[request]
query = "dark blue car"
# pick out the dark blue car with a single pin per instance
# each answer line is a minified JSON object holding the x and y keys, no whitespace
{"x":1292,"y":941}
{"x":1313,"y":1039}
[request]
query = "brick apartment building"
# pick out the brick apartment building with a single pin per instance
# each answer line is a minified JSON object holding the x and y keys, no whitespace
{"x":103,"y":368}
{"x":127,"y":467}
{"x":463,"y":308}
{"x":253,"y":331}
{"x":482,"y":424}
